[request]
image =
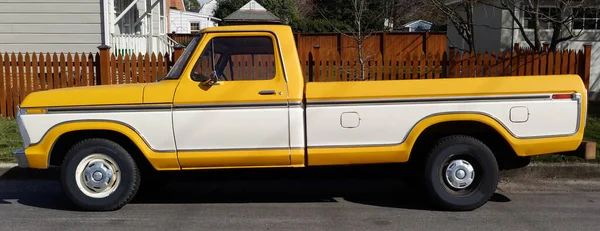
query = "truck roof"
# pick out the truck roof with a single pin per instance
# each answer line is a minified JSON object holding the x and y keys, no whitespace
{"x":274,"y":28}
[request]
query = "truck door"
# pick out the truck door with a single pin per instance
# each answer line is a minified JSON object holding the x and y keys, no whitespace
{"x":241,"y":120}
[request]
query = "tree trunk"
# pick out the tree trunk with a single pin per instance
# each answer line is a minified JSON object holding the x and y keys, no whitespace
{"x":536,"y":28}
{"x":362,"y":61}
{"x":555,"y":36}
{"x":471,"y":30}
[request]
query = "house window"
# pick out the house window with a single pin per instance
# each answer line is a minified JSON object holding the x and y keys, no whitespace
{"x":586,"y":18}
{"x":194,"y":27}
{"x":546,"y":14}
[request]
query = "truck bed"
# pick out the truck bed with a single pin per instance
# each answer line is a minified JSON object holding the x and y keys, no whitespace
{"x":340,"y":114}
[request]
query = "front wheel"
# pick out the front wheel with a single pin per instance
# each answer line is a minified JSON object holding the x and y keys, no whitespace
{"x":100,"y":175}
{"x":461,"y":173}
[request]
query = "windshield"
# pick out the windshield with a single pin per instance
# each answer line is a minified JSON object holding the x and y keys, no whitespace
{"x":178,"y":67}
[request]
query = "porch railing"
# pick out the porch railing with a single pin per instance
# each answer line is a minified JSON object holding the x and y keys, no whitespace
{"x":134,"y":44}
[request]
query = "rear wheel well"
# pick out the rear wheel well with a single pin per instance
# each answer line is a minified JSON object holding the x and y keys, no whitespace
{"x":503,"y":152}
{"x":66,"y":141}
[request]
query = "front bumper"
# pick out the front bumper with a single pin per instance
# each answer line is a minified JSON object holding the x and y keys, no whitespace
{"x":21,"y":158}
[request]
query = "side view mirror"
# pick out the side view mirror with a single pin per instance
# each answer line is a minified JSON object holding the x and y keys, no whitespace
{"x":206,"y":80}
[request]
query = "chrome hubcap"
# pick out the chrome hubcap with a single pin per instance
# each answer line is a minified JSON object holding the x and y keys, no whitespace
{"x":460,"y":174}
{"x":97,"y":175}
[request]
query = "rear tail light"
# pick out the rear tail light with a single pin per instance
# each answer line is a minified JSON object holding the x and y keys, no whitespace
{"x":563,"y":96}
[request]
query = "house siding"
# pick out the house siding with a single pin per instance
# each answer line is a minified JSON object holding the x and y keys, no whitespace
{"x":50,"y":25}
{"x":139,"y":10}
{"x":496,"y":31}
{"x":591,"y":37}
{"x":180,"y":22}
{"x":487,"y":30}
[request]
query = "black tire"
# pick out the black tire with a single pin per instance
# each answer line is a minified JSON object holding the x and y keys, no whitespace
{"x":482,"y":161}
{"x":125,"y":189}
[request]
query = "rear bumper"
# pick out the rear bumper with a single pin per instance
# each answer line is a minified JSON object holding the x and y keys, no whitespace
{"x":21,"y":158}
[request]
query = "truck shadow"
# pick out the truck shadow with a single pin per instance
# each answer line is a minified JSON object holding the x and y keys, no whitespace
{"x":369,"y":186}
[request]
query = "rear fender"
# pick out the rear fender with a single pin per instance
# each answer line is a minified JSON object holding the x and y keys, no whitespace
{"x":522,"y":146}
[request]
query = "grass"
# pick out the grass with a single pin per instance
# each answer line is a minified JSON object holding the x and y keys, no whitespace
{"x":10,"y":139}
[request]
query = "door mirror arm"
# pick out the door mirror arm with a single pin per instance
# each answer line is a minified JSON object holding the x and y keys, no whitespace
{"x":207,"y":80}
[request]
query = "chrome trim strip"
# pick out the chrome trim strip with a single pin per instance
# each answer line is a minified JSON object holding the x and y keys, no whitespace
{"x":163,"y":107}
{"x":146,"y":141}
{"x":430,"y":99}
{"x":107,"y":108}
{"x":577,"y":96}
{"x":446,"y":113}
{"x":119,"y":108}
{"x":236,"y":149}
{"x":230,"y":105}
{"x":100,"y":120}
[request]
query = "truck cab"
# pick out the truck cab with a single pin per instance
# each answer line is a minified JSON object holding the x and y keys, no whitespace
{"x":237,"y":98}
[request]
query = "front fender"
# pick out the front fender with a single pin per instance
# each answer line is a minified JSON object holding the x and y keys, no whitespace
{"x":38,"y":154}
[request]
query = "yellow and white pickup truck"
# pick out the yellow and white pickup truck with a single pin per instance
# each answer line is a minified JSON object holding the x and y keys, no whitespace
{"x":213,"y":111}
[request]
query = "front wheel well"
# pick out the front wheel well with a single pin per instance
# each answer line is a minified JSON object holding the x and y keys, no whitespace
{"x":503,"y":152}
{"x":66,"y":141}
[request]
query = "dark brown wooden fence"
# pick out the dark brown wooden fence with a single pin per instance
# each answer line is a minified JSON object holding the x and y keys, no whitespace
{"x":336,"y":46}
{"x":21,"y":74}
{"x":452,"y":64}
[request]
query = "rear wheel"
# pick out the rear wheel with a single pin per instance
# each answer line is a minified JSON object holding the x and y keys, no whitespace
{"x":461,"y":173}
{"x":99,"y":174}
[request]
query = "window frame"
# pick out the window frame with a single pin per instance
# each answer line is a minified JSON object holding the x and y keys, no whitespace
{"x":195,"y":31}
{"x":525,"y":20}
{"x":584,"y":18}
{"x":224,"y":59}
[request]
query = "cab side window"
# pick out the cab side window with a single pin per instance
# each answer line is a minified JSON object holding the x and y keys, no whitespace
{"x":238,"y":58}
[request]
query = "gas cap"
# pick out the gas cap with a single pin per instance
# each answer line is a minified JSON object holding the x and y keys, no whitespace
{"x":519,"y":114}
{"x":350,"y":120}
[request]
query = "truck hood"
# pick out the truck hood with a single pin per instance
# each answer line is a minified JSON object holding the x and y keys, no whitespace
{"x":118,"y":94}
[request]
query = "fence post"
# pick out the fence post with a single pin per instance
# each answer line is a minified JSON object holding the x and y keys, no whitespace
{"x":425,"y":38}
{"x":516,"y":48}
{"x":449,"y":62}
{"x":310,"y":67}
{"x":177,"y":52}
{"x":103,"y":76}
{"x":587,"y":52}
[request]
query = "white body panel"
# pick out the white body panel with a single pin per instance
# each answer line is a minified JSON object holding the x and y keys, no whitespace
{"x":297,"y":127}
{"x":154,"y":127}
{"x":389,"y":124}
{"x":231,"y":129}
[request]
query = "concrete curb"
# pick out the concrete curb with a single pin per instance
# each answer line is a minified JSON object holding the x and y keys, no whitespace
{"x":7,"y":165}
{"x":555,"y":170}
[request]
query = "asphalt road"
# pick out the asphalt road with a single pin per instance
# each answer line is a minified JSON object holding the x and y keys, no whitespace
{"x":283,"y":200}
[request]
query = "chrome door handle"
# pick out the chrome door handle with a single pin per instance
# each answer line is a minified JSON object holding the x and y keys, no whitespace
{"x":267,"y":92}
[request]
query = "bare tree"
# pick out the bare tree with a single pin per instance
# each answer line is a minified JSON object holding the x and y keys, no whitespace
{"x":362,"y":34}
{"x":402,"y":11}
{"x":558,"y":15}
{"x":461,"y":16}
{"x":362,"y":29}
{"x":305,"y":8}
